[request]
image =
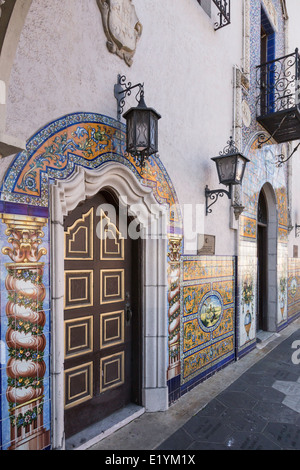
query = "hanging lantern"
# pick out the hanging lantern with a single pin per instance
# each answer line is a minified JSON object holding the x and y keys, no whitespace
{"x":142,"y":131}
{"x":231,"y":165}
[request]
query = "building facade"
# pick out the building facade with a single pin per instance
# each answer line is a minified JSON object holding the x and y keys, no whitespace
{"x":125,"y":284}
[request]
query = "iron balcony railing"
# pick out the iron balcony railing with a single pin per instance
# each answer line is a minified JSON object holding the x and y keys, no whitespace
{"x":278,"y":84}
{"x":278,"y":97}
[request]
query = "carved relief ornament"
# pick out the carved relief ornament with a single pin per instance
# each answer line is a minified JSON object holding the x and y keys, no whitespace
{"x":121,"y":26}
{"x":271,"y":10}
{"x":25,"y":237}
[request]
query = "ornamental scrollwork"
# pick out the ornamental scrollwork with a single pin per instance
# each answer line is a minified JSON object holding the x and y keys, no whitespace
{"x":25,"y":238}
{"x":174,"y":247}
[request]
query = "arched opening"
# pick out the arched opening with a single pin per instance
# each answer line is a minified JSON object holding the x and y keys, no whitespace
{"x":267,"y":260}
{"x":140,"y":204}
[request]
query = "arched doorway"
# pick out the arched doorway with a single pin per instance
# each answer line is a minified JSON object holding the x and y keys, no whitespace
{"x":267,"y":260}
{"x":119,"y":181}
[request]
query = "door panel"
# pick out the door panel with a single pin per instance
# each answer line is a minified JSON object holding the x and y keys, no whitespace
{"x":99,"y":365}
{"x":262,"y":277}
{"x":262,"y":256}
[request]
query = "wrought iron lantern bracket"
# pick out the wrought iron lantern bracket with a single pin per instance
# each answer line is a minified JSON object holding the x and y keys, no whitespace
{"x":297,"y":230}
{"x":122,"y":90}
{"x":231,"y":164}
{"x":213,"y":195}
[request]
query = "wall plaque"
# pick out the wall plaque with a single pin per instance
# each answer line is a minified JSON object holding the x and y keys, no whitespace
{"x":206,"y":245}
{"x":295,"y":251}
{"x":121,"y":26}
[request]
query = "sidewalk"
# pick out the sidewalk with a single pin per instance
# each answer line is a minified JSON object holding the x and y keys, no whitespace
{"x":252,"y":404}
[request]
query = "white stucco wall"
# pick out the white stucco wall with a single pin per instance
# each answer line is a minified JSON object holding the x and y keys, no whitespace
{"x":63,"y":66}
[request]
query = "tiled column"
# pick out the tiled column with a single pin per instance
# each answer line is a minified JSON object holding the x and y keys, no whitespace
{"x":24,"y":337}
{"x":174,"y":306}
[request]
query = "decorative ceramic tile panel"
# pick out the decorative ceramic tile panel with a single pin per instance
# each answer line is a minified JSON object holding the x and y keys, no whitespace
{"x":247,"y":302}
{"x":247,"y":227}
{"x":25,"y":332}
{"x":208,"y":306}
{"x":282,"y":277}
{"x":293,"y":288}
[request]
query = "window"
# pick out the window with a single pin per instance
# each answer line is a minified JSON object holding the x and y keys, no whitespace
{"x":267,"y":55}
{"x":267,"y":39}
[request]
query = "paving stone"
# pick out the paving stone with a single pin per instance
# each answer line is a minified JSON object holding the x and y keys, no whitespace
{"x":251,"y":441}
{"x":293,"y":403}
{"x":287,"y":436}
{"x":239,"y":385}
{"x":274,"y":369}
{"x":265,"y":393}
{"x":287,"y":387}
{"x":214,"y":409}
{"x":243,"y":420}
{"x":257,"y":379}
{"x":180,"y":440}
{"x":207,"y":429}
{"x":285,"y":375}
{"x":276,"y":412}
{"x":237,"y":399}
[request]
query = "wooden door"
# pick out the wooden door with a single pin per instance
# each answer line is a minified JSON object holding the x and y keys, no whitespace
{"x":102,"y":368}
{"x":262,"y":270}
{"x":262,"y":278}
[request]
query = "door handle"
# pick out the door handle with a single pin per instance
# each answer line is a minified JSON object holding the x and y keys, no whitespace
{"x":128,"y":313}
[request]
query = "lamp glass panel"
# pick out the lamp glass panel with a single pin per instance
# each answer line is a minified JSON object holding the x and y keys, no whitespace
{"x":226,"y":169}
{"x":142,"y":131}
{"x":240,"y":166}
{"x":130,"y":132}
{"x":153,"y":133}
